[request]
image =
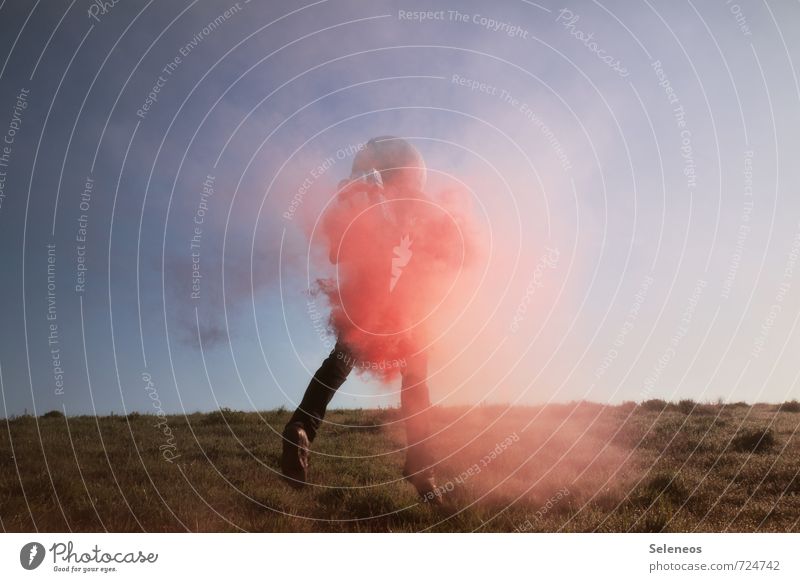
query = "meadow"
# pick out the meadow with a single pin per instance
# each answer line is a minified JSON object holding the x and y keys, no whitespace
{"x":577,"y":467}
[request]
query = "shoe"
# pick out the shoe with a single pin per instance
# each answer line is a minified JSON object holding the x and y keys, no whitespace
{"x":424,"y":482}
{"x":294,"y":459}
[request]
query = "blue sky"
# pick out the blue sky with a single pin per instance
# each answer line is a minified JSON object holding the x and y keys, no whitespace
{"x":666,"y":182}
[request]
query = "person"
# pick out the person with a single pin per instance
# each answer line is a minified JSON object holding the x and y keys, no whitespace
{"x":385,"y":169}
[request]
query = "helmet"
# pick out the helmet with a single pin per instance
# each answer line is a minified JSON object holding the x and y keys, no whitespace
{"x":397,"y":162}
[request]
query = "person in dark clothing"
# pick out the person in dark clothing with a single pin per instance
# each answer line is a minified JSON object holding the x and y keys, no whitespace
{"x":385,"y":164}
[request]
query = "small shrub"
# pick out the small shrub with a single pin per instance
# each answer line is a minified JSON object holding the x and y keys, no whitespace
{"x":225,"y":416}
{"x":686,"y":406}
{"x":654,"y":405}
{"x":664,"y":486}
{"x":755,"y":440}
{"x":53,"y":414}
{"x":790,"y":406}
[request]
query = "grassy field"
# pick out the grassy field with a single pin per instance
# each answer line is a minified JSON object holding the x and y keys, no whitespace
{"x":573,"y":467}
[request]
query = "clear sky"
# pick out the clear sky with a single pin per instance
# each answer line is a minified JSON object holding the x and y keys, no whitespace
{"x":635,"y":164}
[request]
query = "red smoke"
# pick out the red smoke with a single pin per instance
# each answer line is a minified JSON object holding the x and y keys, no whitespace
{"x":460,"y":269}
{"x":401,"y":262}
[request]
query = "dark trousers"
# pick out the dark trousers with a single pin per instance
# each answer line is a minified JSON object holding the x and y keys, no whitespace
{"x":414,"y":401}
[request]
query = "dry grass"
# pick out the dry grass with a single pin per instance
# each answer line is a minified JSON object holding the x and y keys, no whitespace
{"x":574,"y":467}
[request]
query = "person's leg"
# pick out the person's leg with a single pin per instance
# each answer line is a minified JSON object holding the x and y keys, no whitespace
{"x":415,"y":405}
{"x":304,"y":423}
{"x":323,"y":385}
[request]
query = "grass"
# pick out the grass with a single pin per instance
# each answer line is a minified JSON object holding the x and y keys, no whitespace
{"x":569,"y":467}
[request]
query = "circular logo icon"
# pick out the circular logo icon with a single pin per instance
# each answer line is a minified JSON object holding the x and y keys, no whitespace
{"x":31,"y":555}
